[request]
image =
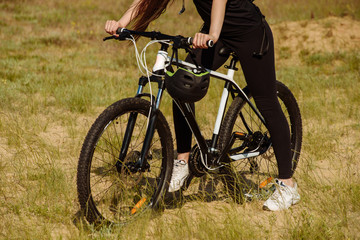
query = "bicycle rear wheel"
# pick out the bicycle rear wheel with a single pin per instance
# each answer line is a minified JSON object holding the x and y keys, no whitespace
{"x":248,"y":178}
{"x":108,"y":190}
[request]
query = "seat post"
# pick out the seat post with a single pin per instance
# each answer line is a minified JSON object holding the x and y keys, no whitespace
{"x":232,"y":67}
{"x":233,"y":62}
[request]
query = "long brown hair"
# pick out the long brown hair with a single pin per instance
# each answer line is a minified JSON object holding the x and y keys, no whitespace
{"x":147,"y":11}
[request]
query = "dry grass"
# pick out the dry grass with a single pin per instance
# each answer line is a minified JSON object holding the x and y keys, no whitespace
{"x":56,"y":76}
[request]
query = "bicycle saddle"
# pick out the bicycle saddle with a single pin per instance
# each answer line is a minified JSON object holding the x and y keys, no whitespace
{"x":226,"y":52}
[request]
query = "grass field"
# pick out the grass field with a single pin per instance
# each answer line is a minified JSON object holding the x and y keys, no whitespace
{"x":56,"y":76}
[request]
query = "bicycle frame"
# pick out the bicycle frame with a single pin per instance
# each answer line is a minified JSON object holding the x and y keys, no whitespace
{"x":208,"y":152}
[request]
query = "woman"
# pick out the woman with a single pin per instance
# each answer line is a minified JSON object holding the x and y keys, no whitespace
{"x":239,"y":25}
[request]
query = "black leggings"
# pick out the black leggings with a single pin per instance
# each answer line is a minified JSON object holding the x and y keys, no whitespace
{"x":260,"y":77}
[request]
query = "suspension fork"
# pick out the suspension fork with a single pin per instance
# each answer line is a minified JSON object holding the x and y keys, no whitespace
{"x":154,"y":110}
{"x":129,"y":128}
{"x":158,"y":69}
{"x":141,"y":164}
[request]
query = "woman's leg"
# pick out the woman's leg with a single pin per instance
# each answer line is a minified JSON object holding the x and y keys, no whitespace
{"x":260,"y":77}
{"x":207,"y":58}
{"x":182,"y":132}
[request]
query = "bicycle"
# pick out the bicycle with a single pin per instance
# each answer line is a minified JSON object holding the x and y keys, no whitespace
{"x":126,"y":160}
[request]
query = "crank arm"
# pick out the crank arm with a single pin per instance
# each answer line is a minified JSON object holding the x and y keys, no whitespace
{"x":240,"y":156}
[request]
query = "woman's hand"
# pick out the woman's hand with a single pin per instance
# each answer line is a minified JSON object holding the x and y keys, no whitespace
{"x":217,"y":20}
{"x":111,"y":26}
{"x":200,"y":40}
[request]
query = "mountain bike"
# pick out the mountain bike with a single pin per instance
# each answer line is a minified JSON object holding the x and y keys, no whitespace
{"x":126,"y":160}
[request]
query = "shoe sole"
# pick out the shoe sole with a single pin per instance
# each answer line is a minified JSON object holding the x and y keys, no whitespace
{"x":292,"y":204}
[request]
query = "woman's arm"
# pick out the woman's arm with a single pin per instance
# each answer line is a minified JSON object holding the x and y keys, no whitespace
{"x":217,"y":20}
{"x":111,"y":25}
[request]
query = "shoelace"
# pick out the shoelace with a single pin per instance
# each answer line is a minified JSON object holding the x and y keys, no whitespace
{"x":180,"y":162}
{"x":276,"y":194}
{"x":280,"y":187}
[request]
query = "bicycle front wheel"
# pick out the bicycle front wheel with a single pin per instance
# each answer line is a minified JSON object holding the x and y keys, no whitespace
{"x":248,"y":178}
{"x":109,"y":191}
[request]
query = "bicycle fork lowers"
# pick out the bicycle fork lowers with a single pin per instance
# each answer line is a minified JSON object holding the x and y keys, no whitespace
{"x":141,"y":165}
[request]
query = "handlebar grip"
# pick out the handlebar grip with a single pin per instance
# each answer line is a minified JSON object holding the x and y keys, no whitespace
{"x":120,"y":30}
{"x":209,"y":43}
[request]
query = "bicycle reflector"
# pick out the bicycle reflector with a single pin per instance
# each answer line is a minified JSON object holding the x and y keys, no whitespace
{"x":138,"y":205}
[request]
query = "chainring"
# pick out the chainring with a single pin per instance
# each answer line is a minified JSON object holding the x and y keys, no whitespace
{"x":196,"y":167}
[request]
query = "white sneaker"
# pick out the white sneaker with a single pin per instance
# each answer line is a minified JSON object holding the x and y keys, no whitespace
{"x":283,"y":197}
{"x":179,"y":175}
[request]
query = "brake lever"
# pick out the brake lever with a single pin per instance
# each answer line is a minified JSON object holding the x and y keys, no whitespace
{"x":108,"y":38}
{"x":121,"y":35}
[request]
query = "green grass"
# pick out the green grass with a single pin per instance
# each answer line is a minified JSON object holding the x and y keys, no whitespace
{"x":56,"y":76}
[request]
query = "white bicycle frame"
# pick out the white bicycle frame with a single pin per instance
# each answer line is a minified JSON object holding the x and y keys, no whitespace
{"x":161,"y":63}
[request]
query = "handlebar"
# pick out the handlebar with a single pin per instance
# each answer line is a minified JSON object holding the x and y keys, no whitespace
{"x":179,"y":41}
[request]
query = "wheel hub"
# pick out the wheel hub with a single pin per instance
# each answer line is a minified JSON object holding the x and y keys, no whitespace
{"x":131,"y":165}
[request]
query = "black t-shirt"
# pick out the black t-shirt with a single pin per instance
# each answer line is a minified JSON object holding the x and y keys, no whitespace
{"x":241,"y":16}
